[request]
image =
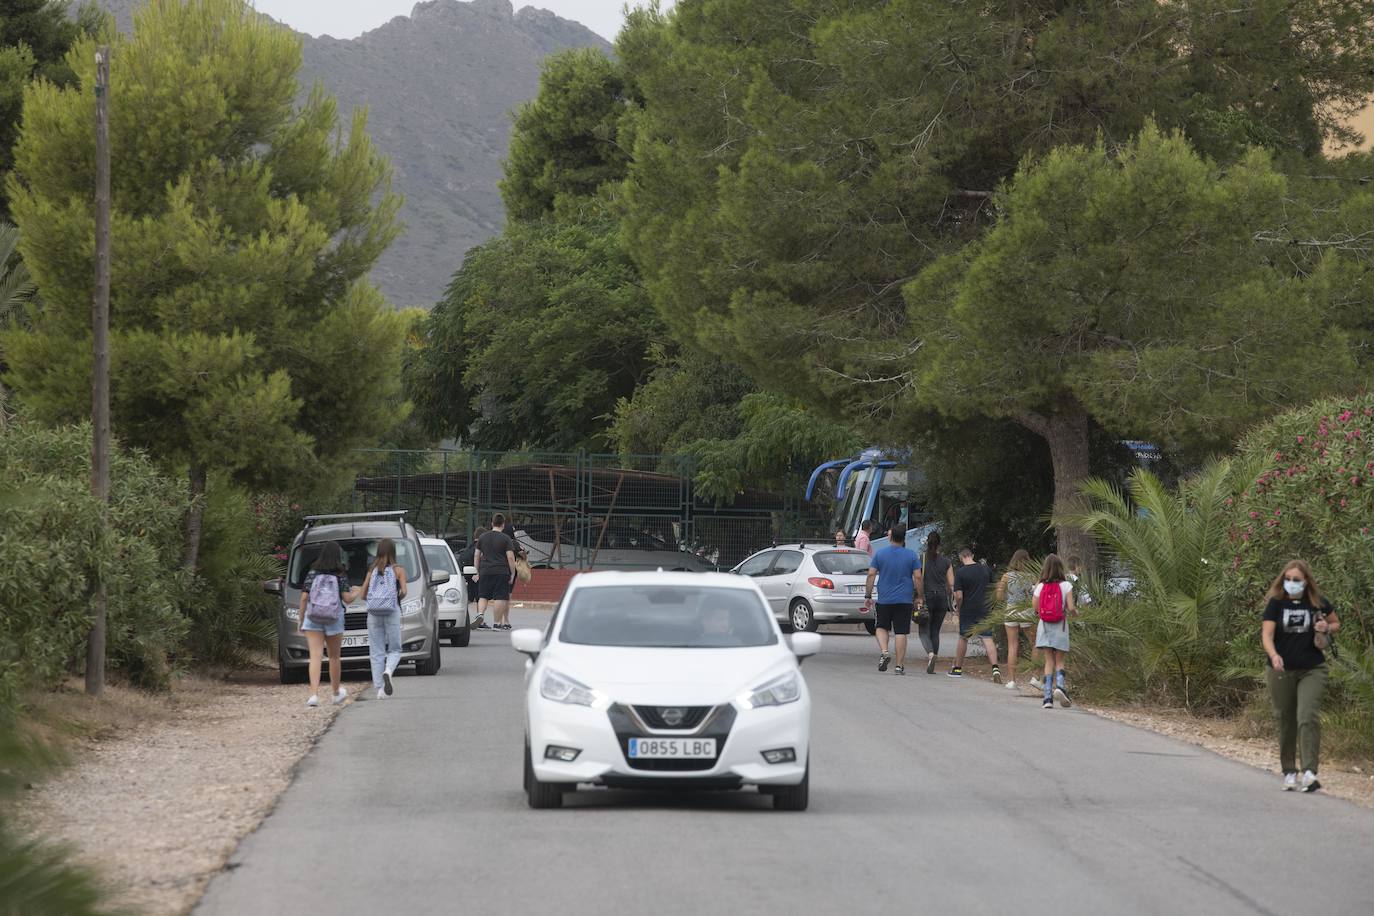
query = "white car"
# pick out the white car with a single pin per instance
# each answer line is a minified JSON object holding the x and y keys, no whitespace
{"x":665,"y":680}
{"x":454,"y":623}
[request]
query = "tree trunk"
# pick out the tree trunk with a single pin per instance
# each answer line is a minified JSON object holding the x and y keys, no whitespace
{"x":1066,"y":431}
{"x":195,"y":515}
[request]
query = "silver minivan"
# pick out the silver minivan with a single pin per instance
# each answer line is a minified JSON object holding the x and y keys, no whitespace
{"x":357,"y":534}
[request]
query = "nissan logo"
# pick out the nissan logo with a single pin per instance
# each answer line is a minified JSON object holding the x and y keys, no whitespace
{"x":673,"y":716}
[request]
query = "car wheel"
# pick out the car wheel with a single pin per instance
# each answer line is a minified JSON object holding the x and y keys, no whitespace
{"x":540,"y":794}
{"x":871,"y":627}
{"x":794,"y":798}
{"x":289,"y":675}
{"x":785,"y":625}
{"x":463,"y":636}
{"x":802,"y":617}
{"x":430,"y":666}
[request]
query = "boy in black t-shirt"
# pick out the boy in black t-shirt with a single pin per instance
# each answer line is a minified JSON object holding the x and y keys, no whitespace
{"x":495,"y":556}
{"x":971,"y":582}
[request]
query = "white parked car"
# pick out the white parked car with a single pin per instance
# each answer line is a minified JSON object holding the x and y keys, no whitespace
{"x":454,"y":623}
{"x":665,"y":680}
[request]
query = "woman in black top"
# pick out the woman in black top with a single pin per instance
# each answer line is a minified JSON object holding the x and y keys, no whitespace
{"x":938,"y":584}
{"x":1298,"y":625}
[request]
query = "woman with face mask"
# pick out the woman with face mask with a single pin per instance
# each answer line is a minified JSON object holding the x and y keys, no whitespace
{"x":1298,"y":625}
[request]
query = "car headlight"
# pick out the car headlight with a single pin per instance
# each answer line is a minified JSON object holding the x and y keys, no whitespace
{"x":562,"y":689}
{"x":293,"y":613}
{"x":777,"y":692}
{"x":412,"y":607}
{"x":452,"y":596}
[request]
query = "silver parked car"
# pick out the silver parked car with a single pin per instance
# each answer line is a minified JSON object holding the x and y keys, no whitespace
{"x":810,"y":584}
{"x":357,"y":534}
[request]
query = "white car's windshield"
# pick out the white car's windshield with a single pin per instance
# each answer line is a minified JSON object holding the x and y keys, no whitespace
{"x":439,"y":559}
{"x":666,"y":616}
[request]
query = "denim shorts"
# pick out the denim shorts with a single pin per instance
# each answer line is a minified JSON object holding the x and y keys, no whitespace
{"x":329,"y":629}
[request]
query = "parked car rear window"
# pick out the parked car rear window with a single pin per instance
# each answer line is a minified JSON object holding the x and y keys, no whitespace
{"x":666,"y":617}
{"x":842,"y":562}
{"x":359,"y":553}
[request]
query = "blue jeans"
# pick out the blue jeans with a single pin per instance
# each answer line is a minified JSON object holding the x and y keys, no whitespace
{"x":384,"y":644}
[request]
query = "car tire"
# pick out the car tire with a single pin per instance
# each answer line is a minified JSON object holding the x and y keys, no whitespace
{"x":785,"y":625}
{"x":430,"y":666}
{"x":794,"y":798}
{"x":871,"y":627}
{"x":289,"y":675}
{"x":801,"y":616}
{"x":463,"y":636}
{"x":540,"y":794}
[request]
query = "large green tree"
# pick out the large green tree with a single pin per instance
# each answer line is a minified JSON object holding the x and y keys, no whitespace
{"x":245,"y":337}
{"x":798,"y":162}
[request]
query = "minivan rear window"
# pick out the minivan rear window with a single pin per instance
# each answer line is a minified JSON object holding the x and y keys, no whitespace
{"x":842,"y":562}
{"x":359,"y":554}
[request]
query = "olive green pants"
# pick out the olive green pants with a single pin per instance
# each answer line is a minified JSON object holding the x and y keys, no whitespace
{"x":1297,"y":697}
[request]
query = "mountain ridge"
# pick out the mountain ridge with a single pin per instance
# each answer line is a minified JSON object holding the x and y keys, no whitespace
{"x":445,"y":126}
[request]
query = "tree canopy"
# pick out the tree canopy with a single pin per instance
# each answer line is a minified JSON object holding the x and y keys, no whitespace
{"x":245,"y":336}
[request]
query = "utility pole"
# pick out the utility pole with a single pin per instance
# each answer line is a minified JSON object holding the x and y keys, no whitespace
{"x":100,"y":386}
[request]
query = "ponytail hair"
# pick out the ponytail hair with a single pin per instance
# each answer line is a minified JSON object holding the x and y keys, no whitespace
{"x":932,"y":548}
{"x":386,"y":555}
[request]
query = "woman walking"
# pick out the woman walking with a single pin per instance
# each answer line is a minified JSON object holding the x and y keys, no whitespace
{"x":384,"y":586}
{"x":938,"y":585}
{"x":1014,"y":591}
{"x":323,"y":596}
{"x":1053,"y":602}
{"x":1298,"y":624}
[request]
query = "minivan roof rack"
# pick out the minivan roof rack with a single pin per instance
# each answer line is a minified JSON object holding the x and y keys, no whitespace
{"x":312,"y":520}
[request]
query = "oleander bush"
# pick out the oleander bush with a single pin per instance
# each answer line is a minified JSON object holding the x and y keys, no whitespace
{"x":51,"y":542}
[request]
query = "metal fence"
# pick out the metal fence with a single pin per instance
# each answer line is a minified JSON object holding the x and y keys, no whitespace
{"x":585,"y":511}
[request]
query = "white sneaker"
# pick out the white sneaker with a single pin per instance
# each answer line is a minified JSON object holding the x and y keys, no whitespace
{"x":1309,"y":781}
{"x":1290,"y":781}
{"x":386,"y":683}
{"x":381,"y":694}
{"x":341,"y":695}
{"x":1010,"y":685}
{"x":1035,"y":683}
{"x":313,"y":701}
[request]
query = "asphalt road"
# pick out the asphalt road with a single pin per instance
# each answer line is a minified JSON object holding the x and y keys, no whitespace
{"x":927,"y":794}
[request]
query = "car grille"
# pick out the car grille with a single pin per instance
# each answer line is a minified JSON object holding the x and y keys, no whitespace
{"x":692,"y":716}
{"x":355,"y":620}
{"x":353,"y":651}
{"x":717,"y":726}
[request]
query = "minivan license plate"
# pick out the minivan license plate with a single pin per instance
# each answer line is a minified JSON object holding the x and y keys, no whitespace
{"x":355,"y":642}
{"x":672,"y":748}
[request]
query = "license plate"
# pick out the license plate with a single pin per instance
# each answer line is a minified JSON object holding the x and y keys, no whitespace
{"x":672,"y":748}
{"x":354,"y":642}
{"x":856,"y":589}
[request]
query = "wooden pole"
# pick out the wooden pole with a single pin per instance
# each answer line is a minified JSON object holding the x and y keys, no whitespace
{"x":100,"y":386}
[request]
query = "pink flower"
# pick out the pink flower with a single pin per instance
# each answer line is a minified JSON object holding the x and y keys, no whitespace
{"x":1254,"y":514}
{"x":1300,"y":438}
{"x":1364,"y":530}
{"x":1345,"y":416}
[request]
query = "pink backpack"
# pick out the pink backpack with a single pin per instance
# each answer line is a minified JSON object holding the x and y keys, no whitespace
{"x":1051,"y":603}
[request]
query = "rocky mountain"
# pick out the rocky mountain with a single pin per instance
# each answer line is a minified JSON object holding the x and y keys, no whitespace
{"x":439,"y":85}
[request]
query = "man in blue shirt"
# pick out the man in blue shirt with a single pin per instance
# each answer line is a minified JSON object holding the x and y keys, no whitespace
{"x":898,"y":572}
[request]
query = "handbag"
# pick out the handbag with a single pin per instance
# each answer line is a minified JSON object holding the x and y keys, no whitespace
{"x":920,"y":614}
{"x":522,"y":569}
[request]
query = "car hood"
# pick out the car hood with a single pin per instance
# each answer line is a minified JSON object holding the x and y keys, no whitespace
{"x":694,"y":677}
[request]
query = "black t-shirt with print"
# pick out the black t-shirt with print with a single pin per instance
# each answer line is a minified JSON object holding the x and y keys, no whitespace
{"x":494,"y":546}
{"x":1293,"y":632}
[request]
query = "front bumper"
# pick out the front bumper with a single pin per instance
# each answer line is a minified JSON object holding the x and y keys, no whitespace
{"x":601,"y":737}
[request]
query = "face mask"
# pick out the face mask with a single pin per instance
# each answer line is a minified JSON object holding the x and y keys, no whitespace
{"x":1294,"y":589}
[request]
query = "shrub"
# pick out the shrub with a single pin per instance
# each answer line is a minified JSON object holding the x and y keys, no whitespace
{"x":1167,"y":638}
{"x":50,"y":539}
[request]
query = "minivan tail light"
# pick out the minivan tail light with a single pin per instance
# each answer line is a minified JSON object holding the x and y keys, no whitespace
{"x":821,"y":582}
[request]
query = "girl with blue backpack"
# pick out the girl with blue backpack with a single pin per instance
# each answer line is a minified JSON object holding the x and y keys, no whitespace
{"x":1053,"y":603}
{"x":384,"y":586}
{"x":323,"y":596}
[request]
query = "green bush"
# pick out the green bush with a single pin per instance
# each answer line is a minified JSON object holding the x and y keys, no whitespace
{"x":1167,"y":639}
{"x":1312,"y":498}
{"x":52,"y":548}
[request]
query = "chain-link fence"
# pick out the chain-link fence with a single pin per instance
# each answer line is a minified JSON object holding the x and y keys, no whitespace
{"x":585,"y":511}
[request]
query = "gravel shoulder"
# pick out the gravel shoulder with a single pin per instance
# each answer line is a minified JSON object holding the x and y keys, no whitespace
{"x":163,"y":787}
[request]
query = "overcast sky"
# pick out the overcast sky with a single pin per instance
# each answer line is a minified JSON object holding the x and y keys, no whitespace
{"x":350,"y":18}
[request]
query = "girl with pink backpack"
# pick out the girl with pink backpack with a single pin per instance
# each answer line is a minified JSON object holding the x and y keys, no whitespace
{"x":1053,"y":601}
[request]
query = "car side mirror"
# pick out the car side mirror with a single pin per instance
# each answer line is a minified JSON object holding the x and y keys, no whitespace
{"x":439,"y":578}
{"x":469,"y":570}
{"x":805,"y":645}
{"x":527,"y":641}
{"x":272,"y":586}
